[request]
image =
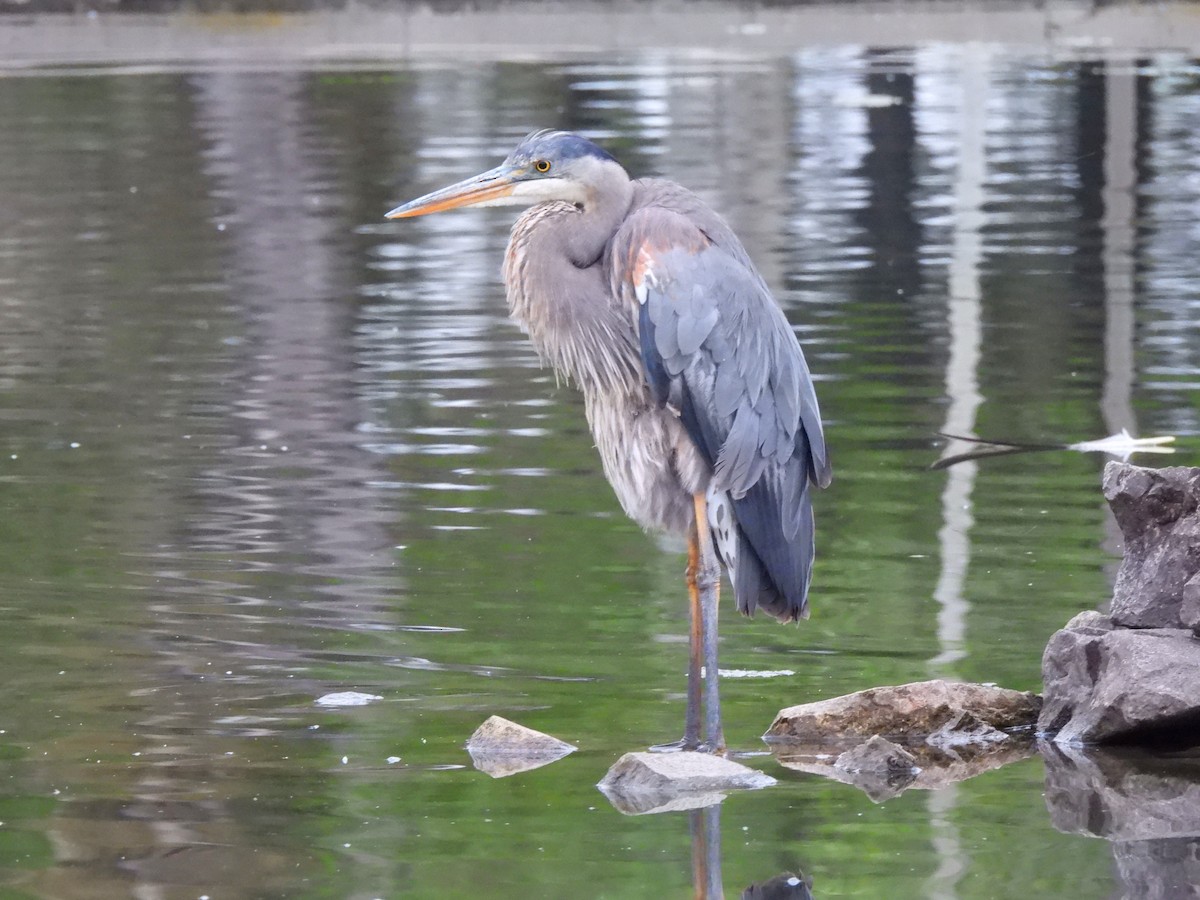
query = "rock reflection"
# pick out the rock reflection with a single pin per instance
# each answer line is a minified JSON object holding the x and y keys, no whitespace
{"x":704,"y":827}
{"x":635,"y":792}
{"x":936,"y":767}
{"x":1146,"y":805}
{"x":1126,"y":795}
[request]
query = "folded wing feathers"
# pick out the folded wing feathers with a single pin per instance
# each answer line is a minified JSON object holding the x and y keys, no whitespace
{"x":755,"y":378}
{"x":720,"y":351}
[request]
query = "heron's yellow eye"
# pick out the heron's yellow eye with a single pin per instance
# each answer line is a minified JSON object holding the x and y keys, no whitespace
{"x":542,"y":165}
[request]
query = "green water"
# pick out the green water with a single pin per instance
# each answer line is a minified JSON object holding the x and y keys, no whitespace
{"x":257,"y":446}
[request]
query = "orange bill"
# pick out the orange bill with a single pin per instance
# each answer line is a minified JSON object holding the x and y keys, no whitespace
{"x":491,"y":185}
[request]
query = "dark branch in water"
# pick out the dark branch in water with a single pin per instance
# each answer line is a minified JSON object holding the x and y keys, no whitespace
{"x":985,"y":449}
{"x":1121,"y":445}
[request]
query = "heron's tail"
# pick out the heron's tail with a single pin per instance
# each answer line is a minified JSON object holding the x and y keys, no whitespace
{"x":769,"y":549}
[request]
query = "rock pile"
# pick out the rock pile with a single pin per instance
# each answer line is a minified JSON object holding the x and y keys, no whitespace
{"x":1134,"y":674}
{"x":887,"y":740}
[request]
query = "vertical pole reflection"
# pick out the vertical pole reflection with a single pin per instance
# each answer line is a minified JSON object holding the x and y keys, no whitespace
{"x":705,"y":827}
{"x":1120,"y":179}
{"x":964,"y":315}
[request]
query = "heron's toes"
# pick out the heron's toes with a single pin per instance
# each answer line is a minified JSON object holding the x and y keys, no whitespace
{"x":676,"y":746}
{"x":694,"y":746}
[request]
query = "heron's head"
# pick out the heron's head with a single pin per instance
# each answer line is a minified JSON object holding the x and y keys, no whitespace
{"x":546,"y":165}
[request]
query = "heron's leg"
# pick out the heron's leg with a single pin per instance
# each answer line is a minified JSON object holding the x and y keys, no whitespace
{"x":691,"y":727}
{"x":708,"y":586}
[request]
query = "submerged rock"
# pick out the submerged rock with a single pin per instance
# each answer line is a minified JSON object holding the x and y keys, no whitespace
{"x":909,"y":712}
{"x":640,"y":783}
{"x":1158,"y":511}
{"x":500,"y":747}
{"x":1105,"y":683}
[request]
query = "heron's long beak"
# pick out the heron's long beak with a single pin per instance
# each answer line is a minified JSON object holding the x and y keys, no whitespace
{"x":482,"y":189}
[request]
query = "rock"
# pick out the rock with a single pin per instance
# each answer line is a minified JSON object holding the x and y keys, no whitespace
{"x":1189,"y":613}
{"x":657,"y":782}
{"x":500,"y":748}
{"x":966,"y":732}
{"x":1104,"y":683}
{"x":1158,"y":511}
{"x":926,"y":735}
{"x":907,"y":712}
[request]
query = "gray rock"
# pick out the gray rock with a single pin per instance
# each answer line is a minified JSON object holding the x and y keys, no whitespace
{"x":966,"y":733}
{"x":1189,"y":613}
{"x":906,"y":712}
{"x":1104,"y":683}
{"x":1158,"y":511}
{"x":500,"y":748}
{"x":657,"y":782}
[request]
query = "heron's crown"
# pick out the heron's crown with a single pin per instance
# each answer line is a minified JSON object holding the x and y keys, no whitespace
{"x":560,"y":145}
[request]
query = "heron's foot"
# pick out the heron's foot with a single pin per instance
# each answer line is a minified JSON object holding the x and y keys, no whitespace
{"x":674,"y":746}
{"x":694,"y":746}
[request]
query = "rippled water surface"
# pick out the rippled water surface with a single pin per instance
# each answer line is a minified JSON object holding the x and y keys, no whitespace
{"x":258,"y":446}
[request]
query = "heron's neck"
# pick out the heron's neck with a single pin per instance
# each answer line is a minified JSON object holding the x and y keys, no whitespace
{"x":564,"y":305}
{"x":600,"y":215}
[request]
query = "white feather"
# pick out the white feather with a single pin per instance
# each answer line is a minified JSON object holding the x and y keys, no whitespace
{"x":540,"y":190}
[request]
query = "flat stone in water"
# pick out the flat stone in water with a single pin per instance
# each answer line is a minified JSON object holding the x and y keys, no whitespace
{"x":347,"y":698}
{"x":941,"y":732}
{"x":659,"y":782}
{"x":907,"y":712}
{"x":500,"y":747}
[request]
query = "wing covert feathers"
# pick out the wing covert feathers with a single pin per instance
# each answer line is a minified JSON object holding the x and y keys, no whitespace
{"x":716,"y":348}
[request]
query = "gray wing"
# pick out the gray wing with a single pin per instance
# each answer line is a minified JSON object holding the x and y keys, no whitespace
{"x":718,"y":350}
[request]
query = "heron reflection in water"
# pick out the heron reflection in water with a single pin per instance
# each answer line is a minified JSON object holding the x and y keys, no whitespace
{"x":695,"y":387}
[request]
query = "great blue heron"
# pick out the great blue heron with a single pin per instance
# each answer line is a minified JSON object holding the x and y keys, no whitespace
{"x":694,"y":385}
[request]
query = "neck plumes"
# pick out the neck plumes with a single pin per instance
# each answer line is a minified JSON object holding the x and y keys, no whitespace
{"x":558,"y":293}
